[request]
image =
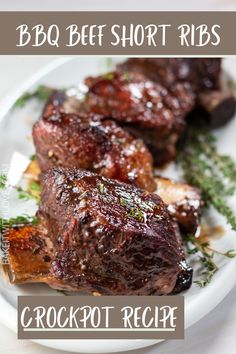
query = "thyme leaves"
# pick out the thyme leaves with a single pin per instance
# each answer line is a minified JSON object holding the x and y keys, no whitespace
{"x":17,"y":221}
{"x":33,"y":189}
{"x":42,"y":93}
{"x":3,"y":181}
{"x":214,"y":174}
{"x":206,"y":254}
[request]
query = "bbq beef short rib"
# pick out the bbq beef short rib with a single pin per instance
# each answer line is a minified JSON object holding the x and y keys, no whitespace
{"x":98,"y":236}
{"x":30,"y":252}
{"x":201,"y":73}
{"x":183,"y":201}
{"x":89,"y":142}
{"x":146,"y":109}
{"x":215,"y":101}
{"x":215,"y":107}
{"x":110,"y":237}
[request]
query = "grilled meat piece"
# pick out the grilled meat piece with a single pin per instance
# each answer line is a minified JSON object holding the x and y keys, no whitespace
{"x":30,"y":254}
{"x":201,"y":73}
{"x":216,"y":108}
{"x":147,"y":109}
{"x":110,"y":237}
{"x":184,"y":203}
{"x":107,"y":237}
{"x":215,"y":101}
{"x":92,"y":143}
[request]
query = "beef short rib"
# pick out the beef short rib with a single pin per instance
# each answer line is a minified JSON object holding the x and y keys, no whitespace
{"x":107,"y":237}
{"x":110,"y":237}
{"x":89,"y":142}
{"x":183,"y":201}
{"x":201,"y":73}
{"x":147,"y":109}
{"x":215,"y":102}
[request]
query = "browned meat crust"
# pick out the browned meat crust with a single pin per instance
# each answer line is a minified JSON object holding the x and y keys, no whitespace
{"x":110,"y":237}
{"x":29,"y":255}
{"x":99,"y":235}
{"x":184,"y":203}
{"x":145,"y":108}
{"x":89,"y":142}
{"x":215,"y":101}
{"x":216,"y":107}
{"x":202,"y":73}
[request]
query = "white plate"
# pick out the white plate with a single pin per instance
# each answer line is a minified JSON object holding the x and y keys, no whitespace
{"x":15,"y":131}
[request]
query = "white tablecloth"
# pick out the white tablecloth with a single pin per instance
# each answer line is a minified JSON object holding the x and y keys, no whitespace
{"x":215,"y":334}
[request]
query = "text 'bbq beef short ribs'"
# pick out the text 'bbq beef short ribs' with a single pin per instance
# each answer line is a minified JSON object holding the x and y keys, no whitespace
{"x":89,"y":142}
{"x":147,"y":109}
{"x":103,"y":236}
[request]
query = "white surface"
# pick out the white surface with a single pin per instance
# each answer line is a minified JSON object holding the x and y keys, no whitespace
{"x":114,"y":5}
{"x":24,"y":67}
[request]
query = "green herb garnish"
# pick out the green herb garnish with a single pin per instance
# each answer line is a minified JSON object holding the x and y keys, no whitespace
{"x":230,"y":254}
{"x":205,"y":168}
{"x":206,"y":255}
{"x":17,"y":221}
{"x":41,"y":93}
{"x":3,"y":181}
{"x":35,"y":186}
{"x":32,"y":157}
{"x":108,"y":76}
{"x":22,"y":194}
{"x":133,"y":211}
{"x":33,"y":192}
{"x":137,"y":214}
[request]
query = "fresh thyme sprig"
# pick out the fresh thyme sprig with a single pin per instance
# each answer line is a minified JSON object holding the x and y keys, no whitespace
{"x":3,"y":181}
{"x":41,"y":93}
{"x":33,"y":192}
{"x":17,"y":221}
{"x":33,"y":189}
{"x":206,"y":255}
{"x":205,"y":168}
